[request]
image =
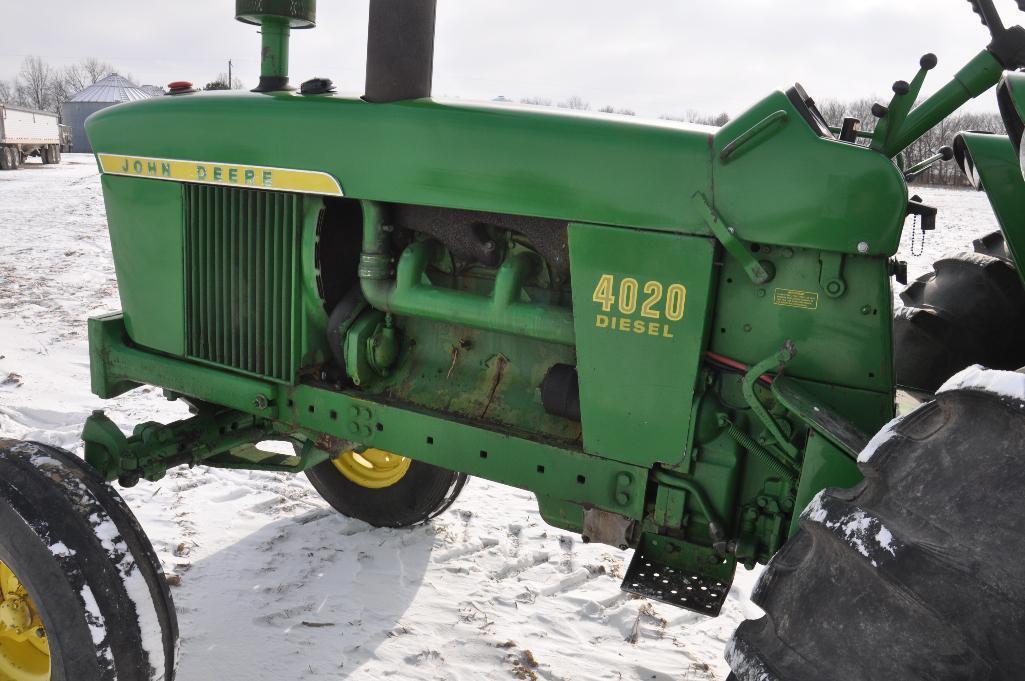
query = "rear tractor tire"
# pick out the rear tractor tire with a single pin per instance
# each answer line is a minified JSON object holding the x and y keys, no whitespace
{"x":6,"y":158}
{"x":916,"y":572}
{"x":969,"y":310}
{"x":384,"y":489}
{"x":82,"y":594}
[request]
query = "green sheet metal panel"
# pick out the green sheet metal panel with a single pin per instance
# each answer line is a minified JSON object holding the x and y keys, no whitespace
{"x":640,"y":303}
{"x":146,"y":235}
{"x":789,"y":186}
{"x":995,"y":163}
{"x":844,"y":340}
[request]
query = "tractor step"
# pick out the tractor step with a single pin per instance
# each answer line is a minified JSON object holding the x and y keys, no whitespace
{"x":668,"y":571}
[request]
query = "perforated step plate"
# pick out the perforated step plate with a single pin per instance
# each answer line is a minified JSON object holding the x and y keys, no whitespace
{"x":653,"y":579}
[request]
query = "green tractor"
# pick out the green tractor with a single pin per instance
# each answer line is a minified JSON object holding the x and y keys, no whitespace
{"x":680,"y":338}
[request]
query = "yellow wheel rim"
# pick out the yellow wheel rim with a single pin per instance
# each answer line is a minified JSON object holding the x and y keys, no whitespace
{"x":24,"y":647}
{"x":373,"y":468}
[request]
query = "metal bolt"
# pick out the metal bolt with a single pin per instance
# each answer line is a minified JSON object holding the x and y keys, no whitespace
{"x":747,"y":327}
{"x":489,"y":246}
{"x":787,"y":252}
{"x":40,"y":633}
{"x":260,"y":402}
{"x":862,"y":247}
{"x":867,"y":309}
{"x":584,"y":538}
{"x":760,"y":293}
{"x":623,"y":547}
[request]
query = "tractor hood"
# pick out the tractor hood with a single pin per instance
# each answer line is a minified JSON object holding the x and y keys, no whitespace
{"x":498,"y":158}
{"x":789,"y":184}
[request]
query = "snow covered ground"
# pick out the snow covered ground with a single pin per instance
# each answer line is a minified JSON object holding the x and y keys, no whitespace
{"x":274,"y":585}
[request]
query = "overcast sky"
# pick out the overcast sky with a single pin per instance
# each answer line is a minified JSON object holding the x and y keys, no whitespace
{"x":653,"y":56}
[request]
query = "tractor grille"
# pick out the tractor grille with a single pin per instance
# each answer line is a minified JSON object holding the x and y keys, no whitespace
{"x":242,"y":279}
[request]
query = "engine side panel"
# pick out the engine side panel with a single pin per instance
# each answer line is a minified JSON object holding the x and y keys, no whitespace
{"x":641,"y":304}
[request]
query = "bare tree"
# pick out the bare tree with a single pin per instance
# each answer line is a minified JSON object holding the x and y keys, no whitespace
{"x":575,"y":102}
{"x":96,"y":70}
{"x":35,"y":83}
{"x":608,"y":108}
{"x":692,"y":116}
{"x":536,"y":101}
{"x":8,"y":93}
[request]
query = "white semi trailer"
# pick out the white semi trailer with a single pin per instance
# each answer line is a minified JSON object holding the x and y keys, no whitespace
{"x":24,"y":133}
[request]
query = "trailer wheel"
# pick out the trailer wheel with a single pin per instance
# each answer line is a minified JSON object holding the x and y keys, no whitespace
{"x":6,"y":158}
{"x":384,"y":489}
{"x":82,"y":595}
{"x":969,"y":310}
{"x":915,"y":573}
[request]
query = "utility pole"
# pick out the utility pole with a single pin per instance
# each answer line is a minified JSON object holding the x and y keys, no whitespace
{"x":230,"y":86}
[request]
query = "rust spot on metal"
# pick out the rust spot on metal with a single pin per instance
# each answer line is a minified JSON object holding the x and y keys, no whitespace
{"x":500,"y":363}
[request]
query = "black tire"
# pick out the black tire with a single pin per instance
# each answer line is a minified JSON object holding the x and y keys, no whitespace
{"x":6,"y":158}
{"x":969,"y":310}
{"x":423,"y":493}
{"x":92,"y":574}
{"x":915,"y":573}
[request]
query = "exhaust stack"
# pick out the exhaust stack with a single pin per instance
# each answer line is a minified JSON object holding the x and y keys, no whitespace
{"x":400,"y":50}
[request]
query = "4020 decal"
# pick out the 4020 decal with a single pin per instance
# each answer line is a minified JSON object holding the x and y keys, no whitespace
{"x":629,"y":307}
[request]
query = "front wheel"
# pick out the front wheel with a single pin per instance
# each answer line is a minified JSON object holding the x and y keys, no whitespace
{"x":917,"y":572}
{"x":969,"y":310}
{"x":82,"y":595}
{"x":385,"y":489}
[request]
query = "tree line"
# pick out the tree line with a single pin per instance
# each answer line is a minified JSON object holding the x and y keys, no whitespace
{"x":43,"y":87}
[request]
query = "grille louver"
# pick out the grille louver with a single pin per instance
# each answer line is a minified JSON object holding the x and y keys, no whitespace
{"x":242,"y":279}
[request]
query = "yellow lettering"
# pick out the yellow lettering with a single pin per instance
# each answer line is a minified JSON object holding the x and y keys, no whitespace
{"x":601,"y":321}
{"x":652,"y":329}
{"x":676,"y":299}
{"x":624,"y":324}
{"x":603,"y":292}
{"x":665,"y":332}
{"x":638,"y":326}
{"x":653,"y":290}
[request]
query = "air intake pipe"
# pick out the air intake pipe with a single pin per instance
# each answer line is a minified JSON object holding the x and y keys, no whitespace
{"x":276,"y":19}
{"x":400,"y":50}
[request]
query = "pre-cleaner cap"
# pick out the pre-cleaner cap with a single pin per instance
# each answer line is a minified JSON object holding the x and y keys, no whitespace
{"x":300,"y":13}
